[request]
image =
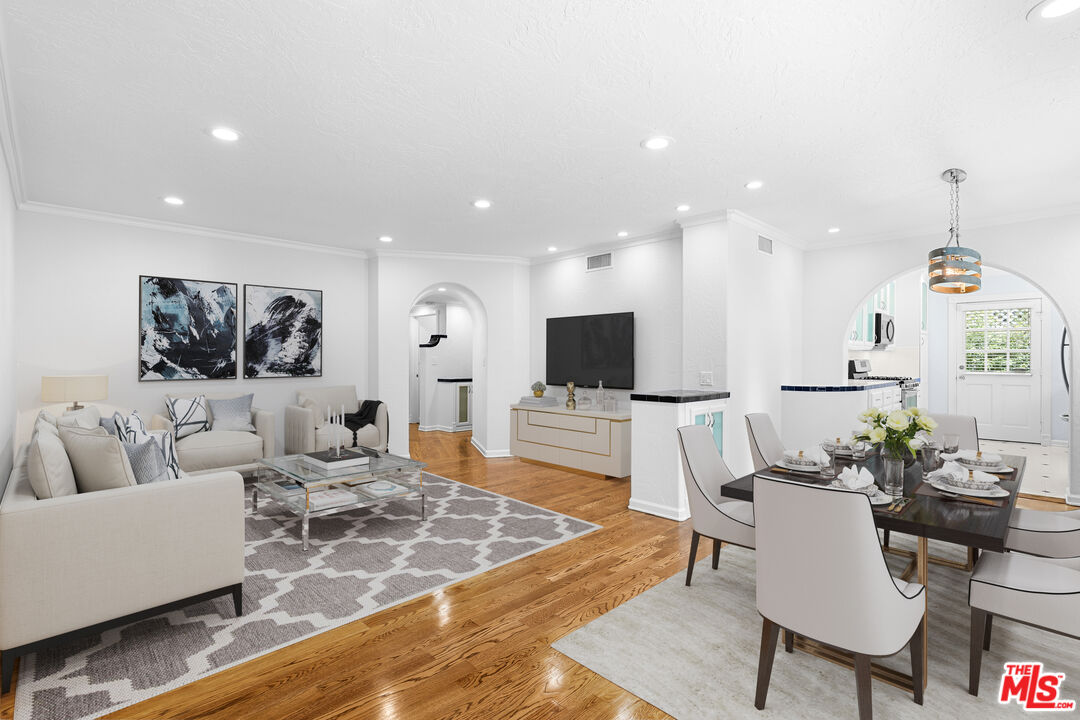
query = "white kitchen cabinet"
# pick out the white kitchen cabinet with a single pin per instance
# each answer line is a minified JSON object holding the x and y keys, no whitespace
{"x":812,"y":413}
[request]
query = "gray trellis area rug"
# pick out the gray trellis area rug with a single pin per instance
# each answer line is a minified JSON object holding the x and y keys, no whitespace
{"x":360,"y":562}
{"x":693,"y":652}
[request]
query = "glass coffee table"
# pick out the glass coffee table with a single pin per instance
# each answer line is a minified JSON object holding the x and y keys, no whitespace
{"x":307,"y":491}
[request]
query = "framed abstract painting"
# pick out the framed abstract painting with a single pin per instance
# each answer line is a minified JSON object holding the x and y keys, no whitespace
{"x":187,"y":329}
{"x":282,"y":332}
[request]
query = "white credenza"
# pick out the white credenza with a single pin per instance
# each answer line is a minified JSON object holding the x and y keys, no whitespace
{"x":590,"y":440}
{"x":656,"y":485}
{"x":812,"y":413}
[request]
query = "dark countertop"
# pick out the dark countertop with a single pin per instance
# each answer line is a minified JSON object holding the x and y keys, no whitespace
{"x":849,"y":386}
{"x":454,"y":380}
{"x":680,"y":396}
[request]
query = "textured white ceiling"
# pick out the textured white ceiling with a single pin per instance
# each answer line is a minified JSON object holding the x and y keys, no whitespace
{"x":368,"y":118}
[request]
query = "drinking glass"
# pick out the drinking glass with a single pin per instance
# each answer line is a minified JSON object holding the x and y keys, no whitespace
{"x":894,"y":476}
{"x":858,"y":450}
{"x":929,"y":460}
{"x":829,"y":469}
{"x":952,"y":443}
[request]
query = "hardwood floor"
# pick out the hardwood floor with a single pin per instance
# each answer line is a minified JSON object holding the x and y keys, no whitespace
{"x":477,"y":649}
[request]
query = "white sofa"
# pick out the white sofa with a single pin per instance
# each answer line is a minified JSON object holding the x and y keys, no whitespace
{"x":306,"y":429}
{"x":216,"y":450}
{"x":81,"y":563}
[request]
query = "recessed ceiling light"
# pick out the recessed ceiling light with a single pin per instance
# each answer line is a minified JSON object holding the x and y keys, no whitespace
{"x":225,"y":134}
{"x":622,"y":233}
{"x":754,"y":185}
{"x":552,"y":248}
{"x":682,"y":208}
{"x":1052,"y":9}
{"x":834,"y":229}
{"x":481,"y":204}
{"x":173,"y":200}
{"x":442,"y":289}
{"x":385,"y":238}
{"x":656,"y":142}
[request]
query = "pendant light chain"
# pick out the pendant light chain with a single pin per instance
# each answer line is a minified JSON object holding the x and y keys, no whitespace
{"x":954,"y":268}
{"x":954,"y":198}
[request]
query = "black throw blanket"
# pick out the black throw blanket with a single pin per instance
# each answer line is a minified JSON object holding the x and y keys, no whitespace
{"x":363,"y":417}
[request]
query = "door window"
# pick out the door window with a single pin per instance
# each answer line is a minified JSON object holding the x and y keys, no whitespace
{"x":998,"y":340}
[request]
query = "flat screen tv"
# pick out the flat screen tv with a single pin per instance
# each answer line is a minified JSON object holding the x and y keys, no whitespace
{"x":590,"y":349}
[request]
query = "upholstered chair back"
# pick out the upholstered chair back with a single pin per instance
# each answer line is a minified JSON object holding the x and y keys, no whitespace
{"x":821,"y":572}
{"x":704,"y":473}
{"x":963,"y":425}
{"x":333,"y":397}
{"x":211,"y":396}
{"x":24,"y":424}
{"x":765,"y":445}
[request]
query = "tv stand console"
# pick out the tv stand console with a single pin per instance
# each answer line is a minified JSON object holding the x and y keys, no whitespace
{"x":591,"y":440}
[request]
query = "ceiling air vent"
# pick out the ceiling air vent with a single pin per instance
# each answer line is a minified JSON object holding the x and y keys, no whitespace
{"x":598,"y":262}
{"x":764,"y":244}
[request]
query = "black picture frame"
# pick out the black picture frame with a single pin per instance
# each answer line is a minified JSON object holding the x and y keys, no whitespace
{"x":190,"y":337}
{"x":297,"y":315}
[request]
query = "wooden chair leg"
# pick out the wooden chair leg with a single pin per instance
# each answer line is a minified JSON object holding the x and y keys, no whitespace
{"x":862,"y":686}
{"x":716,"y":553}
{"x":986,"y":634}
{"x":789,"y":641}
{"x":7,"y":660}
{"x":918,"y":670}
{"x":693,"y":556}
{"x":978,"y":628}
{"x":769,"y":631}
{"x":886,"y":543}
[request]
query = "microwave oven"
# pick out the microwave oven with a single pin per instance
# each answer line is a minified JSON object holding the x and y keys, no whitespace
{"x":884,"y":330}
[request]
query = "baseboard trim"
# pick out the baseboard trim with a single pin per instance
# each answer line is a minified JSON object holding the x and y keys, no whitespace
{"x":663,"y":511}
{"x":435,"y":428}
{"x":490,"y":453}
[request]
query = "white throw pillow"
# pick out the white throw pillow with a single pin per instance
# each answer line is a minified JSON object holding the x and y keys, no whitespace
{"x":132,"y":430}
{"x":47,"y":417}
{"x":47,"y":464}
{"x":88,"y":417}
{"x":320,"y":413}
{"x":188,"y":415}
{"x":98,"y":459}
{"x":44,"y":426}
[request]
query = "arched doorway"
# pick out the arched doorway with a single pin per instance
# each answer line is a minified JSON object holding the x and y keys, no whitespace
{"x":996,"y":354}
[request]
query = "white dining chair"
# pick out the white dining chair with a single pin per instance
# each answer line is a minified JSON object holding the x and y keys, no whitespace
{"x":821,"y":574}
{"x":711,"y":514}
{"x":1044,"y":533}
{"x":765,"y":446}
{"x":965,"y":426}
{"x":1041,"y":592}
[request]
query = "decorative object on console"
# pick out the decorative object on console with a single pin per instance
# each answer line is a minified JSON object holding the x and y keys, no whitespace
{"x":954,"y":269}
{"x":73,"y":388}
{"x":571,"y":404}
{"x":538,"y":388}
{"x":282,"y":332}
{"x":187,"y":329}
{"x":232,"y":413}
{"x":188,"y":415}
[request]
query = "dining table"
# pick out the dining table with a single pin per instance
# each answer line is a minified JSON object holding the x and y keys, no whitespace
{"x":966,"y":523}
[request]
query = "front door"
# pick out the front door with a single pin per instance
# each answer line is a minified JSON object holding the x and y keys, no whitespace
{"x":998,"y":362}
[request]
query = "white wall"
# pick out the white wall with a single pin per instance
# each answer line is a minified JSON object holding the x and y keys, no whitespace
{"x":451,"y":358}
{"x":77,"y":306}
{"x":644,"y":279}
{"x":496,"y":292}
{"x":1045,"y":252}
{"x":7,"y":325}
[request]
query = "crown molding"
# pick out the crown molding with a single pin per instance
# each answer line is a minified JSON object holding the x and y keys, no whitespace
{"x":460,"y":257}
{"x":647,"y":239}
{"x":165,"y":226}
{"x":703,"y":219}
{"x":925,"y":231}
{"x":763,"y":228}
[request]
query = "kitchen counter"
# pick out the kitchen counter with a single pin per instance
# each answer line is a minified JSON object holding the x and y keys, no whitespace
{"x":809,"y":413}
{"x":680,"y":396}
{"x":845,"y":386}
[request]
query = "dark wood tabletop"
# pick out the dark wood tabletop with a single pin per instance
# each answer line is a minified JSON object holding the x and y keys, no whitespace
{"x":968,"y":524}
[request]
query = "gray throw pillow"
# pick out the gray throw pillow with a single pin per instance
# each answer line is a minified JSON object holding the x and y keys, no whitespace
{"x":109,"y":424}
{"x":146,"y":460}
{"x":232,"y":413}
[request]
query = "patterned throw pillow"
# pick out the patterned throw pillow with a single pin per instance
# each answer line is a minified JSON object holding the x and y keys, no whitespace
{"x":232,"y":413}
{"x":132,"y":430}
{"x":147,"y":463}
{"x":188,"y":415}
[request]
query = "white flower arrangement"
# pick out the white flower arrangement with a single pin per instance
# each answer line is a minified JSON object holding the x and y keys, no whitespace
{"x":897,"y":430}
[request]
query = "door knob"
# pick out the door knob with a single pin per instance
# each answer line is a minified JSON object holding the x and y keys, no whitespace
{"x":961,"y":377}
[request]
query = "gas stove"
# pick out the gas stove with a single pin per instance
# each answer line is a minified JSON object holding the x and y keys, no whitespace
{"x":906,"y":383}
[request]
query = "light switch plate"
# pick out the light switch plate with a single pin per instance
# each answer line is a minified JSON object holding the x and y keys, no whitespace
{"x":705,"y":378}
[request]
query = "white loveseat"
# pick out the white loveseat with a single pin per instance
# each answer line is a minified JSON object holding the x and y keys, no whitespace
{"x":306,"y":428}
{"x":80,"y":563}
{"x":215,"y":450}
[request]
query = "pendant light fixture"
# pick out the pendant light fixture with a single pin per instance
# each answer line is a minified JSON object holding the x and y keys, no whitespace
{"x":955,"y":269}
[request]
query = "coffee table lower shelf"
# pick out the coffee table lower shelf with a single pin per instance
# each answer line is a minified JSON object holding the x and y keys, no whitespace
{"x":297,"y":502}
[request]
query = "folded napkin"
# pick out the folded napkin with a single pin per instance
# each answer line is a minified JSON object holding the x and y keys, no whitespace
{"x":810,"y":455}
{"x":972,"y":455}
{"x":951,"y":471}
{"x":856,"y":478}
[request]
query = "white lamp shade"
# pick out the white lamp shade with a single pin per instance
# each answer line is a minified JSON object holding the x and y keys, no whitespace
{"x":74,"y":388}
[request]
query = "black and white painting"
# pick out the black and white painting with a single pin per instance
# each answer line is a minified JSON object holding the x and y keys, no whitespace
{"x":187,"y":329}
{"x":282,"y":332}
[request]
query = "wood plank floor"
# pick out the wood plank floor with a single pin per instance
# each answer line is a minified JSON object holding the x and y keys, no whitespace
{"x":477,"y":649}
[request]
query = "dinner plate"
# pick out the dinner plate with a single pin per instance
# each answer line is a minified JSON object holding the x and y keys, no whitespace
{"x":985,"y":468}
{"x":878,"y":498}
{"x":381,"y":485}
{"x":800,"y":468}
{"x":991,"y":493}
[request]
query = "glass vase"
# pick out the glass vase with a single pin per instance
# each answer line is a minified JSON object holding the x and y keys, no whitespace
{"x":894,"y":475}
